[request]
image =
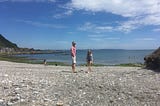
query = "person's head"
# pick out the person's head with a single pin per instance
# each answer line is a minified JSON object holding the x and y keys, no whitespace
{"x":89,"y":52}
{"x":73,"y":43}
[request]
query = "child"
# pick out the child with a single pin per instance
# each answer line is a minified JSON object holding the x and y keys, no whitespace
{"x":89,"y":59}
{"x":44,"y":62}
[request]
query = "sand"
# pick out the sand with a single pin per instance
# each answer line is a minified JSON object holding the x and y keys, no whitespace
{"x":38,"y":85}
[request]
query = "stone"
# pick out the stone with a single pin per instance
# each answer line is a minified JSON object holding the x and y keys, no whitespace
{"x":152,"y":61}
{"x":1,"y":101}
{"x":59,"y":103}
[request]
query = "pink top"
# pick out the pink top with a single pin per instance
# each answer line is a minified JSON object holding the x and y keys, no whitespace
{"x":73,"y":51}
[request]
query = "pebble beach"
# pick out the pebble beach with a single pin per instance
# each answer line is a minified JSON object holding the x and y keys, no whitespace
{"x":38,"y":85}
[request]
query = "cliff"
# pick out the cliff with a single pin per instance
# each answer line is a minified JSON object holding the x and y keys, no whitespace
{"x":4,"y":43}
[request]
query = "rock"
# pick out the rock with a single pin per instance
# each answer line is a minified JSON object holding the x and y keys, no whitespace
{"x":9,"y":104}
{"x":6,"y":75}
{"x":1,"y":101}
{"x":13,"y":100}
{"x":152,"y":61}
{"x":59,"y":103}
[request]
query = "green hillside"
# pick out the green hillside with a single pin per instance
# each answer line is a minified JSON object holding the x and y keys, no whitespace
{"x":6,"y":43}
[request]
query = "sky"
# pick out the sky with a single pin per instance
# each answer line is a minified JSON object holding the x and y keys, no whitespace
{"x":92,"y":24}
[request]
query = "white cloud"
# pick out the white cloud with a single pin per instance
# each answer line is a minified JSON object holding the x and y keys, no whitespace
{"x":111,"y":38}
{"x":109,"y":28}
{"x":57,"y":16}
{"x":62,"y":15}
{"x":96,"y":36}
{"x":126,"y":8}
{"x":69,"y":12}
{"x":139,"y":12}
{"x":123,"y":27}
{"x":145,"y":39}
{"x":100,"y":37}
{"x":157,"y":30}
{"x":90,"y":27}
{"x":39,"y":24}
{"x":28,"y":0}
{"x":87,"y":26}
{"x":96,"y":39}
{"x":128,"y":26}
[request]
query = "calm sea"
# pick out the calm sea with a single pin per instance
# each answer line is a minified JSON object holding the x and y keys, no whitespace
{"x":103,"y":56}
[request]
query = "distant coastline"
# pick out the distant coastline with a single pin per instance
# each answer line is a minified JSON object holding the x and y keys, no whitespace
{"x":103,"y":57}
{"x":11,"y":52}
{"x":7,"y":47}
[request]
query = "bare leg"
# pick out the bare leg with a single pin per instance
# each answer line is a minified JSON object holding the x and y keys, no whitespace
{"x":73,"y":67}
{"x":89,"y":67}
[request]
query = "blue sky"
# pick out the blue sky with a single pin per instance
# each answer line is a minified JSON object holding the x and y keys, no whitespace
{"x":93,"y":24}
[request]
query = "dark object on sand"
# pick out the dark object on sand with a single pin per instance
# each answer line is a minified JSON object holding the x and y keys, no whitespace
{"x":45,"y":62}
{"x":152,"y":61}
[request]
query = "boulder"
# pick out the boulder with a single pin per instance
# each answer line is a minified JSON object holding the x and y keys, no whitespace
{"x":152,"y":61}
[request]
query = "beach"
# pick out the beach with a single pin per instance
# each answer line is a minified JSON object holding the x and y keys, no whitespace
{"x":39,"y":85}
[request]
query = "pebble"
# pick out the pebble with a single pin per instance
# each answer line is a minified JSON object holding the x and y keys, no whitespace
{"x":1,"y":100}
{"x":5,"y":75}
{"x":59,"y":103}
{"x":50,"y":86}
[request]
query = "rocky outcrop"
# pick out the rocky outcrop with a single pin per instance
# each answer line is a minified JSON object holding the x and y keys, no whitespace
{"x":7,"y":46}
{"x":4,"y":43}
{"x":152,"y":61}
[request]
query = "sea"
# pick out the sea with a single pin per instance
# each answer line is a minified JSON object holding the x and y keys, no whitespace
{"x":100,"y":56}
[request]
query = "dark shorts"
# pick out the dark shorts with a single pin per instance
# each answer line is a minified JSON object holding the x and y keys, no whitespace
{"x":89,"y":59}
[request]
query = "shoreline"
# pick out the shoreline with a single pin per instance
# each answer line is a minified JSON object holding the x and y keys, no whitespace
{"x":12,"y":58}
{"x":35,"y":84}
